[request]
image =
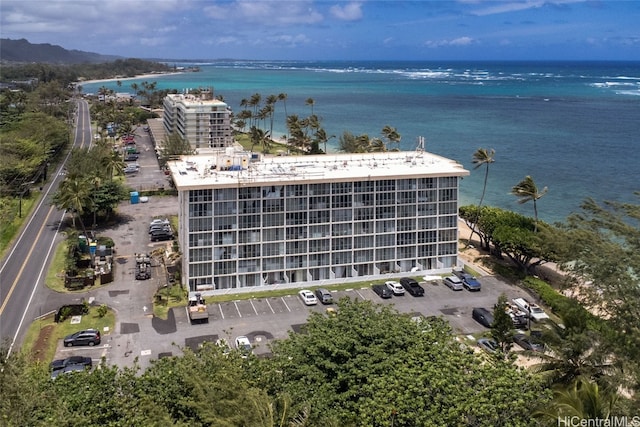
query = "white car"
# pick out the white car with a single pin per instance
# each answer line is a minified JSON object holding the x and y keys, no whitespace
{"x":395,"y":287}
{"x":307,"y":297}
{"x":244,"y":345}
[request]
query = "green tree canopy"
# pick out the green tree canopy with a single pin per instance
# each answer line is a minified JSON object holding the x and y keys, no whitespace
{"x":370,"y":366}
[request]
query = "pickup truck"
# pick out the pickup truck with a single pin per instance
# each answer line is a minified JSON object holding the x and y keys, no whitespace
{"x":412,"y":286}
{"x":532,"y":310}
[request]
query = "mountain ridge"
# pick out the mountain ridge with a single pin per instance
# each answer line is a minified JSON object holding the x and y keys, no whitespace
{"x":21,"y":51}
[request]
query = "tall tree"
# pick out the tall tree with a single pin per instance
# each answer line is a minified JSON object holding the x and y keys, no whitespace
{"x":527,"y":191}
{"x":481,"y":157}
{"x":392,"y":136}
{"x":283,"y":97}
{"x":502,"y":328}
{"x":603,"y":263}
{"x":310,"y":102}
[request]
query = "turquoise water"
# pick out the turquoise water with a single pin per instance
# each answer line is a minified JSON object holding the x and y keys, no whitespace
{"x":573,"y":126}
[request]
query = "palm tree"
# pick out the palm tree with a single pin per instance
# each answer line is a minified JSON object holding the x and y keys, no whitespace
{"x":74,"y":195}
{"x":311,"y":103}
{"x":283,"y":97}
{"x":392,"y":136}
{"x":582,"y":399}
{"x":527,"y":190}
{"x":482,"y":156}
{"x":575,"y":351}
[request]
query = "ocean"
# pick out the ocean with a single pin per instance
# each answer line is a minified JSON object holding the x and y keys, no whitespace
{"x":573,"y":126}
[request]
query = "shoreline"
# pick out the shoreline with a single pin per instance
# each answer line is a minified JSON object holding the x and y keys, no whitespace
{"x":140,"y":76}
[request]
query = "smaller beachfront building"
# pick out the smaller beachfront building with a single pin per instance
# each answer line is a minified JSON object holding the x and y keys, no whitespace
{"x":247,"y":221}
{"x":199,"y":118}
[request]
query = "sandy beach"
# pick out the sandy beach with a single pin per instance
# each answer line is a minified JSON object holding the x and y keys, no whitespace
{"x":141,"y":76}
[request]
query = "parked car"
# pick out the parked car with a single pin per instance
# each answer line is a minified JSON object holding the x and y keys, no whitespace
{"x":67,"y":370}
{"x":307,"y":297}
{"x":158,"y":235}
{"x":412,"y":286}
{"x":159,"y":221}
{"x":382,"y":291}
{"x":454,"y":283}
{"x":530,"y":309}
{"x":130,"y":157}
{"x":482,"y":316}
{"x":519,"y":317}
{"x":395,"y":287}
{"x":528,"y":343}
{"x":130,"y":170}
{"x":88,"y":337}
{"x":73,"y":360}
{"x":244,"y":346}
{"x":469,"y":281}
{"x":324,"y":296}
{"x":160,"y":227}
{"x":487,"y":344}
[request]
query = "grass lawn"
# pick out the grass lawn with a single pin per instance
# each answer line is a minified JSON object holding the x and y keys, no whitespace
{"x":10,"y":224}
{"x":42,"y":337}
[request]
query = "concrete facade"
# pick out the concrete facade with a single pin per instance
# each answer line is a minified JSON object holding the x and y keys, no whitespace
{"x":198,"y":118}
{"x":248,"y":222}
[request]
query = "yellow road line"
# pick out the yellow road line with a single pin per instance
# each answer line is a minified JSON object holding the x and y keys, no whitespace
{"x":26,"y":260}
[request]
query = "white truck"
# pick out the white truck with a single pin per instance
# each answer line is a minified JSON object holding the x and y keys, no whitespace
{"x":532,"y":310}
{"x":197,"y":308}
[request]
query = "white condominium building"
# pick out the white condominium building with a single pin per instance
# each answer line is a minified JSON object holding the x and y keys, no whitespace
{"x":247,"y":222}
{"x":198,"y":118}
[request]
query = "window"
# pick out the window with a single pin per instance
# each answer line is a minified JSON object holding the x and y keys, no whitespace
{"x":200,"y":224}
{"x":200,"y":196}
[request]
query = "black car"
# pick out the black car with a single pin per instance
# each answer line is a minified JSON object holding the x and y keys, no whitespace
{"x":528,"y":343}
{"x":67,"y":370}
{"x":382,"y":291}
{"x":157,"y":235}
{"x":131,"y":158}
{"x":88,"y":337}
{"x":412,"y":286}
{"x":73,"y":360}
{"x":482,"y":316}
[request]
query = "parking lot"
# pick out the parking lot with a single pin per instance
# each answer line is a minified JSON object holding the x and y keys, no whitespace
{"x":139,"y":337}
{"x":275,"y":317}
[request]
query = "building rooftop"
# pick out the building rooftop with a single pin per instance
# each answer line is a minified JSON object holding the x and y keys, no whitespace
{"x":233,"y":167}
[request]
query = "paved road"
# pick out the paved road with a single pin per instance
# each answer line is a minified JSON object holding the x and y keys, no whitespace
{"x":138,"y":337}
{"x":23,"y":270}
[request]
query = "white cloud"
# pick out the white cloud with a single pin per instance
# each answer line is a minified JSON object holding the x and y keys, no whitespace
{"x":349,"y":12}
{"x":511,"y":6}
{"x":460,"y":41}
{"x":266,"y":12}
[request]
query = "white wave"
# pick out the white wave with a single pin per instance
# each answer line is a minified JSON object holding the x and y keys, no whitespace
{"x":628,"y":92}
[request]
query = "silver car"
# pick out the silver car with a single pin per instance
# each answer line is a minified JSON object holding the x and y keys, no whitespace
{"x":454,"y":283}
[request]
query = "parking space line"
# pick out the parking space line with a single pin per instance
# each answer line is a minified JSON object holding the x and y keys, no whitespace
{"x":221,"y":313}
{"x":254,"y":307}
{"x":237,"y":309}
{"x":360,"y":295}
{"x":285,"y":304}
{"x":269,"y":304}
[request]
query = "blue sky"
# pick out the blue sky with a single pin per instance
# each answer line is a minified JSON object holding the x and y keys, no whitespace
{"x":306,"y":29}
